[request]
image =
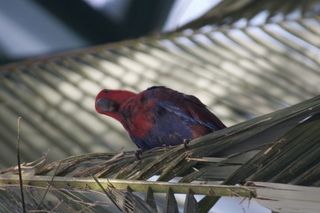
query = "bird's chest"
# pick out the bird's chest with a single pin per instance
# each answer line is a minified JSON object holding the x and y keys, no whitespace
{"x":154,"y":123}
{"x":138,"y":118}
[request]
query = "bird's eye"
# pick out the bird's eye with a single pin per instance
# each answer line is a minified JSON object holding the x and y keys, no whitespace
{"x":106,"y":91}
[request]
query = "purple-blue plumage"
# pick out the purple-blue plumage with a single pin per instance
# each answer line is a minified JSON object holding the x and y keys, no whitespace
{"x":158,"y":116}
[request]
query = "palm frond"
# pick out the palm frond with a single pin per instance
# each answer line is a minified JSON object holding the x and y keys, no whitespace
{"x":288,"y":156}
{"x":55,"y":95}
{"x":240,"y":72}
{"x":229,"y":12}
{"x":288,"y":198}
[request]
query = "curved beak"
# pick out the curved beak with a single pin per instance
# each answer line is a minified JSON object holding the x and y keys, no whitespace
{"x":107,"y":105}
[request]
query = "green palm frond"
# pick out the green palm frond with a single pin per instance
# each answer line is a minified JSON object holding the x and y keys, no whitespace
{"x":288,"y":156}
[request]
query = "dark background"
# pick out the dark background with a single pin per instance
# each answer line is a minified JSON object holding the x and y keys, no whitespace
{"x":33,"y":28}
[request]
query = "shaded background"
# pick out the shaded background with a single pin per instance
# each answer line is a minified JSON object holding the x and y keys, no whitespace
{"x":32,"y":28}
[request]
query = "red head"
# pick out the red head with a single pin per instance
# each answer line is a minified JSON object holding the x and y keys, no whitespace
{"x":108,"y":102}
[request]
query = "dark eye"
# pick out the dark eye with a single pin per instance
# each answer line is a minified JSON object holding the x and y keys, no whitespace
{"x":106,"y":91}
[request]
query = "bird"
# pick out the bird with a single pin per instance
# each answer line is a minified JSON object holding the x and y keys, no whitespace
{"x":158,"y":116}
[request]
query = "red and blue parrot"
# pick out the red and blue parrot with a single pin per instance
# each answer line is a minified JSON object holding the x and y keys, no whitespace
{"x":158,"y":116}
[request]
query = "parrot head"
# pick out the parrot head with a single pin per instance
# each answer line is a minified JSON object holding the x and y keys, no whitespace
{"x":108,"y":102}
